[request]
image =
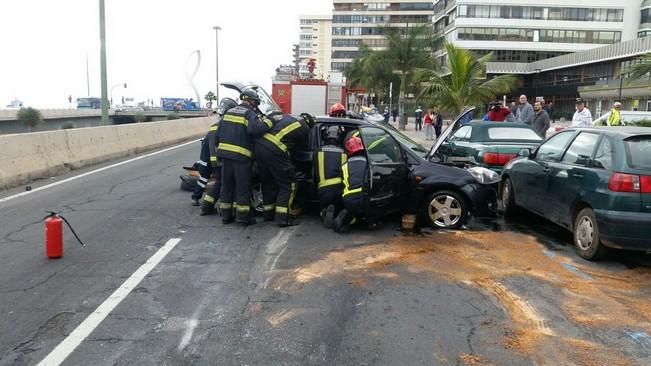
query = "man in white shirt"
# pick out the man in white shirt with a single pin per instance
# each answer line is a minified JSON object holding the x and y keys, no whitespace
{"x":582,"y":117}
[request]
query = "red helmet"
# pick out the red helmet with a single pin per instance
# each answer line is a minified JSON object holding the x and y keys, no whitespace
{"x":337,"y":110}
{"x":354,"y":145}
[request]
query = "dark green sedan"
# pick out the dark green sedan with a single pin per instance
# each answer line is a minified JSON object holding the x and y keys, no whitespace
{"x":596,"y":182}
{"x":487,"y":144}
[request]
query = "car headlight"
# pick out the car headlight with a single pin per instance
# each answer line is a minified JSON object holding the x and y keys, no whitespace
{"x":484,"y":176}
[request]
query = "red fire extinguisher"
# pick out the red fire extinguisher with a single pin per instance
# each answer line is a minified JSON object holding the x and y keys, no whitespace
{"x":54,"y":235}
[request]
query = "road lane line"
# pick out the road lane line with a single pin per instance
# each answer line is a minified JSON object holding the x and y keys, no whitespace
{"x":72,"y":341}
{"x":22,"y":194}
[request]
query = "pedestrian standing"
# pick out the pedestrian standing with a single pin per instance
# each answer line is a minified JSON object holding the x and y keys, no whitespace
{"x":524,"y":111}
{"x":394,"y":113}
{"x":582,"y":117}
{"x":615,"y":118}
{"x":429,"y":125}
{"x":540,"y":119}
{"x":498,"y":113}
{"x":549,"y":107}
{"x":438,"y":122}
{"x":419,"y":118}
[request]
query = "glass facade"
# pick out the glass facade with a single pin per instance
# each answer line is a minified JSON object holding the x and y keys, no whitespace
{"x":518,"y":56}
{"x":545,"y":35}
{"x":359,"y":42}
{"x":345,"y":54}
{"x":538,"y":12}
{"x":338,"y":65}
{"x":383,"y":6}
{"x":357,"y":31}
{"x":646,"y":16}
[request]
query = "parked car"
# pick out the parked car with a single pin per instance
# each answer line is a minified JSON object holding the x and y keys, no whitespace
{"x":487,"y":144}
{"x":595,"y":182}
{"x":402,"y":177}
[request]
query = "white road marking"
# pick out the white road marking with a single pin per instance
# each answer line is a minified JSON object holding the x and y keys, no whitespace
{"x":72,"y":341}
{"x":22,"y":194}
{"x":276,"y":247}
{"x":191,"y":325}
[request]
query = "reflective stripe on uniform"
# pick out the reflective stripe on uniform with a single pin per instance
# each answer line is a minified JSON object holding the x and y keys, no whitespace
{"x":347,"y":190}
{"x":242,"y":208}
{"x":225,"y":205}
{"x":213,"y":159}
{"x":376,"y":142}
{"x":292,"y":195}
{"x":323,"y":182}
{"x":269,"y":207}
{"x":236,"y":119}
{"x":287,"y":130}
{"x":282,"y":210}
{"x":267,"y":122}
{"x":235,"y":149}
{"x":201,"y":184}
{"x":213,"y":128}
{"x":202,"y":163}
{"x":208,"y":198}
{"x":271,"y":138}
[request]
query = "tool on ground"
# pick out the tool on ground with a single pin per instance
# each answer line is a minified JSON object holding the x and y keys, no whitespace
{"x":54,"y":235}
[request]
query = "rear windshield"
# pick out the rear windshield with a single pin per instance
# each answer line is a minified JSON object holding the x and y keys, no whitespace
{"x":639,"y":152}
{"x":513,"y":133}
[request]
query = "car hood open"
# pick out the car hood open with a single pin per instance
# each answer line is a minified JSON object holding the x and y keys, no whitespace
{"x":463,"y":116}
{"x":267,"y":104}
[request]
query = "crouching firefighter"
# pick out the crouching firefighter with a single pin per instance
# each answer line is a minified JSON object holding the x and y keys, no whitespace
{"x":355,"y":178}
{"x":273,"y":153}
{"x":330,"y":159}
{"x":213,"y":166}
{"x":239,"y":126}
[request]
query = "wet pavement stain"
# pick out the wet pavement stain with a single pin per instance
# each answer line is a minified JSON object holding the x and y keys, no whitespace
{"x":598,"y":303}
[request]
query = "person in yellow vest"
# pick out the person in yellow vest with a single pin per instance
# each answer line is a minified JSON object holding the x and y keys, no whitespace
{"x":615,"y":118}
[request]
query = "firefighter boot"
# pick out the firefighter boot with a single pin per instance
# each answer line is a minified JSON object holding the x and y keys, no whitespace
{"x":227,"y":213}
{"x":329,"y":217}
{"x":341,"y":221}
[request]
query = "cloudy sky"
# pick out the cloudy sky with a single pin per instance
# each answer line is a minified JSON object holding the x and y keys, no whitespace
{"x":149,"y":42}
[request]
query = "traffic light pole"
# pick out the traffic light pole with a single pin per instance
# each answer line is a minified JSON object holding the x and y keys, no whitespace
{"x":102,"y":38}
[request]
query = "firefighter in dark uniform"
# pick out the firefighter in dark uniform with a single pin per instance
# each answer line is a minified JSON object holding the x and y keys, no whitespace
{"x":238,"y":128}
{"x":212,"y":165}
{"x":330,"y":159}
{"x":273,"y":153}
{"x":355,"y":178}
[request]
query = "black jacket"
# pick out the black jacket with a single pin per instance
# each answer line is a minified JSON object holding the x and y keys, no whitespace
{"x":239,"y":126}
{"x":328,"y":166}
{"x":355,"y":174}
{"x":285,"y":135}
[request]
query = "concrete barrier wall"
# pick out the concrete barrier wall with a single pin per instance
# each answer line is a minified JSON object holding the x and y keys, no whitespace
{"x":25,"y":157}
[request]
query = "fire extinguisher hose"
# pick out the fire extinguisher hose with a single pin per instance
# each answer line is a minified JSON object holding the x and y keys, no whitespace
{"x":54,"y":214}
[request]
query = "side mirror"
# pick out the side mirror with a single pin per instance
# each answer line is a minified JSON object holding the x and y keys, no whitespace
{"x":524,"y":153}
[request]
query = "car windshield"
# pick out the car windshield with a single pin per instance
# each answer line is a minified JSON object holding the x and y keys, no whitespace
{"x":267,"y":105}
{"x":639,"y":152}
{"x":409,"y":143}
{"x":513,"y":133}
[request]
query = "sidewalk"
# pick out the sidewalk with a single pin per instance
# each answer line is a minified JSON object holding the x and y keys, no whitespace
{"x":417,"y":136}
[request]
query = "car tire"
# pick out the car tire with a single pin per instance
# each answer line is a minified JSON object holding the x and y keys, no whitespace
{"x":509,"y":206}
{"x":587,"y":241}
{"x":445,"y":210}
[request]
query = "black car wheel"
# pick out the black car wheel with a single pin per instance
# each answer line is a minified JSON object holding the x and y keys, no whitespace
{"x":446,"y":210}
{"x":586,"y":236}
{"x":508,"y":198}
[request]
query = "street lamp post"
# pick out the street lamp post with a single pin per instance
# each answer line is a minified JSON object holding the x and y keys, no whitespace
{"x":217,"y":29}
{"x":102,"y":39}
{"x":113,"y":87}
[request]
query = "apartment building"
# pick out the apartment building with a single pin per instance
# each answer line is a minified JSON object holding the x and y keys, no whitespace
{"x":532,"y":30}
{"x":315,"y":39}
{"x":356,"y":23}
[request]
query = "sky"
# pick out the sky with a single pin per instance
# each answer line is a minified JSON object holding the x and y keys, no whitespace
{"x":149,"y":43}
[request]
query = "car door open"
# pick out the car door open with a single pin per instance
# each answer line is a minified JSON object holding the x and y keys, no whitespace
{"x":388,"y":181}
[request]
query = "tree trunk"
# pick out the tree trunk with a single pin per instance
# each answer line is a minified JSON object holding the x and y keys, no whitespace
{"x":402,"y":118}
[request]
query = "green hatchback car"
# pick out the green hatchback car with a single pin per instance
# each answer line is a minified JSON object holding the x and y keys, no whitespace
{"x":596,"y":182}
{"x":487,"y":144}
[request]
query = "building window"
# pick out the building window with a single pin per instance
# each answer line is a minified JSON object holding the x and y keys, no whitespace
{"x":374,"y":19}
{"x":357,"y":31}
{"x":578,"y":36}
{"x":646,"y":16}
{"x":417,"y":6}
{"x":496,"y":34}
{"x":537,"y":12}
{"x":345,"y":54}
{"x":339,"y":66}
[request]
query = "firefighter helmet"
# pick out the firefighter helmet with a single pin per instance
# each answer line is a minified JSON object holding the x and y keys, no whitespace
{"x":251,"y":95}
{"x":354,"y":145}
{"x":337,"y":110}
{"x":331,"y":133}
{"x":225,"y":104}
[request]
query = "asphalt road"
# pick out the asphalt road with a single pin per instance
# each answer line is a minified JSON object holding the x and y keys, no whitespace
{"x":495,"y":293}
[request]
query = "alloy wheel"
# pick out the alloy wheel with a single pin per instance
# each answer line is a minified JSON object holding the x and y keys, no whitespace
{"x":445,"y":211}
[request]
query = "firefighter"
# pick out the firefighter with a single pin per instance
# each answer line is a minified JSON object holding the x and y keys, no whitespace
{"x":355,"y":177}
{"x":330,"y":159}
{"x":239,"y":127}
{"x":337,"y":110}
{"x":211,"y":164}
{"x":273,"y":153}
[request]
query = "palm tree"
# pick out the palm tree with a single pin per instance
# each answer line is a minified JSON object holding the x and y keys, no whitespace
{"x":408,"y":52}
{"x":640,"y":70}
{"x":210,"y":97}
{"x":463,"y":81}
